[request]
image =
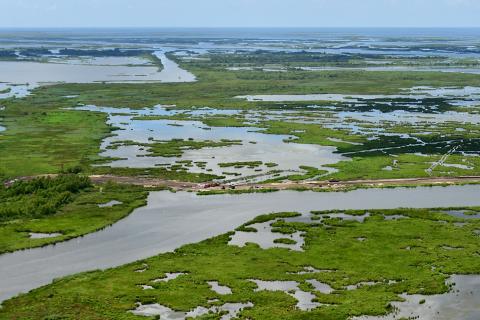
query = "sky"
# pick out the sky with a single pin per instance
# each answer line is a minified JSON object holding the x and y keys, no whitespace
{"x":239,"y":13}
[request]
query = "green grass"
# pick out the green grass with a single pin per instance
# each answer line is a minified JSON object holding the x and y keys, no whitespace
{"x":41,"y":138}
{"x":311,"y":173}
{"x":313,"y":134}
{"x":407,"y":166}
{"x":333,"y":245}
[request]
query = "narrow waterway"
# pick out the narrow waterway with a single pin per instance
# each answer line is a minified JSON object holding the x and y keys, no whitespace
{"x":171,"y":220}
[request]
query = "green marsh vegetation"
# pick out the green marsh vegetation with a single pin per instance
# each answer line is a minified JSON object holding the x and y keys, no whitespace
{"x":217,"y":87}
{"x":6,"y":90}
{"x":285,"y":241}
{"x":406,"y":157}
{"x":409,"y":254}
{"x":177,"y":173}
{"x":388,"y":156}
{"x":288,"y":60}
{"x":154,"y":60}
{"x":43,"y":137}
{"x":68,"y":205}
{"x":39,"y":197}
{"x":241,"y":164}
{"x":116,"y":52}
{"x":176,"y":147}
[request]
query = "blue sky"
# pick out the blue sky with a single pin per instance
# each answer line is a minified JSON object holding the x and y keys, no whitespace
{"x":239,"y":13}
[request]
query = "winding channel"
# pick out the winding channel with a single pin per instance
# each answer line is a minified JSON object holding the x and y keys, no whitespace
{"x":171,"y":220}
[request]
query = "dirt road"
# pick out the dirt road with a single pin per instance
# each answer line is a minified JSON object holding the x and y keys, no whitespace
{"x":177,"y":185}
{"x":191,"y":186}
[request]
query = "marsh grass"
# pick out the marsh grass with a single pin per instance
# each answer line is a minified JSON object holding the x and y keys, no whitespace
{"x":330,"y":245}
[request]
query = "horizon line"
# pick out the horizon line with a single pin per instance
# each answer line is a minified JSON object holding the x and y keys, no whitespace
{"x":241,"y":27}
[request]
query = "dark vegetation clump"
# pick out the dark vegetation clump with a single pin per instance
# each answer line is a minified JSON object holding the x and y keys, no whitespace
{"x":7,"y":54}
{"x":39,"y":197}
{"x":103,"y":53}
{"x":35,"y":52}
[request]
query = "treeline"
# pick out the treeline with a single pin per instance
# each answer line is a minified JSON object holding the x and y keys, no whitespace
{"x":35,"y":52}
{"x":39,"y":197}
{"x":39,"y":52}
{"x":7,"y":54}
{"x":104,"y":53}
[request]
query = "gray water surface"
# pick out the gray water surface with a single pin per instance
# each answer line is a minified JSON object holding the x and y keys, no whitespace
{"x":462,"y":302}
{"x":254,"y":144}
{"x":171,"y":220}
